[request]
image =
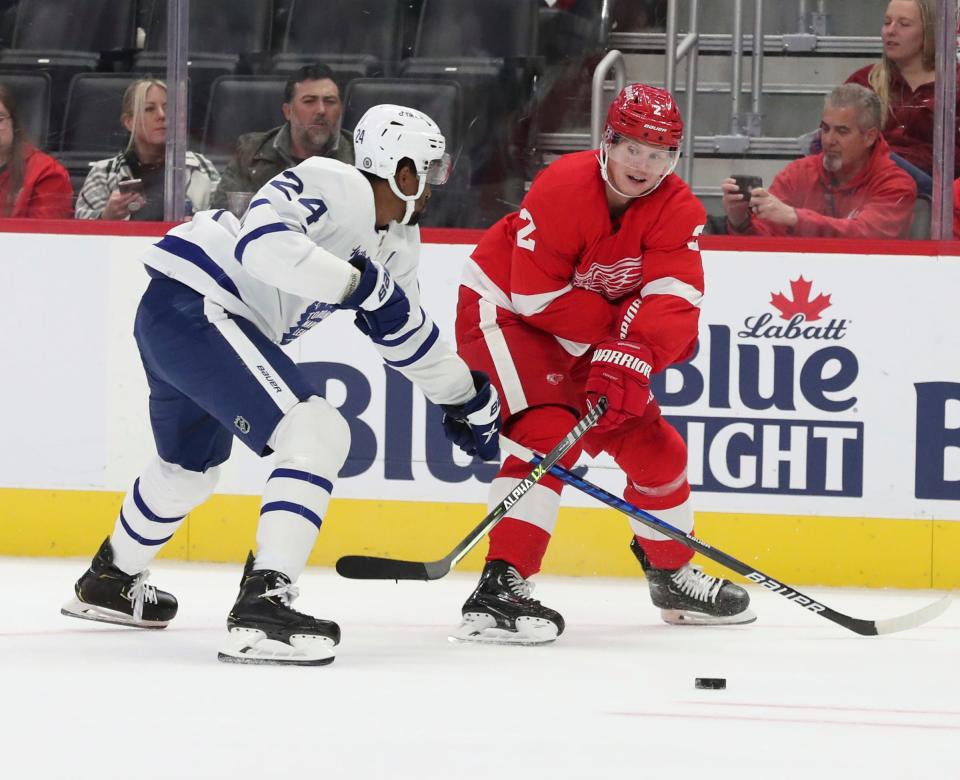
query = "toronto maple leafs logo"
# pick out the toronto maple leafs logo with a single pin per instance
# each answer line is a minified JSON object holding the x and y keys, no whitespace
{"x":611,"y":281}
{"x":802,"y":303}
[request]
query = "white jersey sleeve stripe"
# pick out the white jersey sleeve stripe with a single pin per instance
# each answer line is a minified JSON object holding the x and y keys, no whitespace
{"x":528,"y":305}
{"x":668,"y":285}
{"x":496,"y":343}
{"x":421,"y":350}
{"x":273,"y":227}
{"x":192,"y":253}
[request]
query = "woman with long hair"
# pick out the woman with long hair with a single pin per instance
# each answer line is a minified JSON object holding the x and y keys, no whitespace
{"x":32,"y":184}
{"x":130,"y":185}
{"x":904,"y":81}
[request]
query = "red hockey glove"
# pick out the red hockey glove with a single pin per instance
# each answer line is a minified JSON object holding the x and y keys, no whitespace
{"x":620,"y":370}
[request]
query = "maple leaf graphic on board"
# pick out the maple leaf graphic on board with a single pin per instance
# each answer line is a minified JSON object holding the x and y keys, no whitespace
{"x":801,"y":303}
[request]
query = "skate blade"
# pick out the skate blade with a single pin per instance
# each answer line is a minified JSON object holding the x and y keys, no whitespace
{"x":251,"y":646}
{"x":80,"y":609}
{"x":481,"y":628}
{"x":680,"y":617}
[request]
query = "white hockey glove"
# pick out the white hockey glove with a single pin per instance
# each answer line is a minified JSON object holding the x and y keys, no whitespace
{"x":382,"y":307}
{"x":475,"y":425}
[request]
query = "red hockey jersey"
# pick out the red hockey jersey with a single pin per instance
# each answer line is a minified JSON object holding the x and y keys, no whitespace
{"x":563,"y":266}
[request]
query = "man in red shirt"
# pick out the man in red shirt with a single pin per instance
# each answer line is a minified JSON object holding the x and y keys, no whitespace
{"x":850,"y":189}
{"x":592,"y":286}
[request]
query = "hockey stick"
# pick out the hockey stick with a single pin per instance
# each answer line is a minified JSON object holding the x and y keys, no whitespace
{"x":857,"y":625}
{"x":366,"y":567}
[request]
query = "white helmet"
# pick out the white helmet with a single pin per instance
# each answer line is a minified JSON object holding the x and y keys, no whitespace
{"x":386,"y":134}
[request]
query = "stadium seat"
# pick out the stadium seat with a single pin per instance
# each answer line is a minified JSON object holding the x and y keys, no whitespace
{"x":451,"y":204}
{"x":366,"y":35}
{"x":226,"y":37}
{"x":32,"y":91}
{"x":46,"y":26}
{"x":67,"y":37}
{"x":238,"y":105}
{"x":571,"y":33}
{"x":490,"y":49}
{"x":91,"y":124}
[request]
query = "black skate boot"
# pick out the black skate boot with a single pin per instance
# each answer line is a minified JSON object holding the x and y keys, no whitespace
{"x":109,"y":595}
{"x":687,"y":596}
{"x":501,"y":611}
{"x":264,"y":629}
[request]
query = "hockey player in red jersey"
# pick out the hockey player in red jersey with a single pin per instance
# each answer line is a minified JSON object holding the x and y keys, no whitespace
{"x":592,"y":286}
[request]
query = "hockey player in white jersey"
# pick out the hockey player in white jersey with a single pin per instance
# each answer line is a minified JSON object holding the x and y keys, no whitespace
{"x":223,"y":296}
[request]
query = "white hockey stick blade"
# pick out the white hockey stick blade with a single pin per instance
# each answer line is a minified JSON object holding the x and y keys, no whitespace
{"x":914,"y":619}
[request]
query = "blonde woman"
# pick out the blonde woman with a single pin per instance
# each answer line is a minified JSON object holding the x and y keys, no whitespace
{"x":904,"y":82}
{"x":130,"y":185}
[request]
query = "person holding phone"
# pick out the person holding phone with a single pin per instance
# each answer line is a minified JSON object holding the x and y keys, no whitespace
{"x":849,"y":189}
{"x":130,"y":185}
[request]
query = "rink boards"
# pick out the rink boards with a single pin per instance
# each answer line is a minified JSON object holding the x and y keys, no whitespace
{"x":822,"y":415}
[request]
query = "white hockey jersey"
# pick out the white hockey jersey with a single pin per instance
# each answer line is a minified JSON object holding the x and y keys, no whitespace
{"x":284,"y":267}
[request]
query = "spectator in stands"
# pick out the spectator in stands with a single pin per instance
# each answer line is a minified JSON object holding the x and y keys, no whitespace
{"x":32,"y":184}
{"x":144,"y":115}
{"x":904,"y":80}
{"x":313,"y":110}
{"x":850,"y":189}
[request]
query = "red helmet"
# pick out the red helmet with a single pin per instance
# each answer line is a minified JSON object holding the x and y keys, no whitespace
{"x":646,"y":113}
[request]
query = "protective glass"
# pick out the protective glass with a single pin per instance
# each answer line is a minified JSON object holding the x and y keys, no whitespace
{"x":438,"y":171}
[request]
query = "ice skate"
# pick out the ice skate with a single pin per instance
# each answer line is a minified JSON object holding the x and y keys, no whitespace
{"x":108,"y":595}
{"x":500,"y":611}
{"x":264,"y":629}
{"x":687,"y":596}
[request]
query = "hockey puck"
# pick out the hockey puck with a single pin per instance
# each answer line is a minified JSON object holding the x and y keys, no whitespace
{"x":710,"y":683}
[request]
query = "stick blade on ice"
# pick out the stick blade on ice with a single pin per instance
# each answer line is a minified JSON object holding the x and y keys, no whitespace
{"x":914,"y":619}
{"x":365,"y":567}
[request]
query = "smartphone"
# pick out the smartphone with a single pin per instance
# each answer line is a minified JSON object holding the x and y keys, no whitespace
{"x":746,"y":183}
{"x":130,"y":185}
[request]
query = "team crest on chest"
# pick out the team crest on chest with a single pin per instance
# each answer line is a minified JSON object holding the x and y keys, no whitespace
{"x":612,"y":280}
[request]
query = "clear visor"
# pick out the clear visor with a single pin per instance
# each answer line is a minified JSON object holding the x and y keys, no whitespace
{"x":638,"y":156}
{"x":438,"y":171}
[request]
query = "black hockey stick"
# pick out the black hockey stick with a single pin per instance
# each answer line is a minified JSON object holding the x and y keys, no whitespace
{"x":366,"y":567}
{"x":857,"y":625}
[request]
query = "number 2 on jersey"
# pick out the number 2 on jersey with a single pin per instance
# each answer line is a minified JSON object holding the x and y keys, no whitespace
{"x":522,"y":241}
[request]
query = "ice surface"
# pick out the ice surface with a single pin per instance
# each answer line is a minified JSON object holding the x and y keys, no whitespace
{"x":614,"y":697}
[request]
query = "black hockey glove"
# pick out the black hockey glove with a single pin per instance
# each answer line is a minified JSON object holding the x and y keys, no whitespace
{"x":475,"y":426}
{"x":382,"y":307}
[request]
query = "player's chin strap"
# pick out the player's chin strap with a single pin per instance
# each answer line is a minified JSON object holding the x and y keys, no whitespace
{"x":602,"y":158}
{"x":410,"y":200}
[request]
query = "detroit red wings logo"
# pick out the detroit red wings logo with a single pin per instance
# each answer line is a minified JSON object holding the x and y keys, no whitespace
{"x":611,"y":281}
